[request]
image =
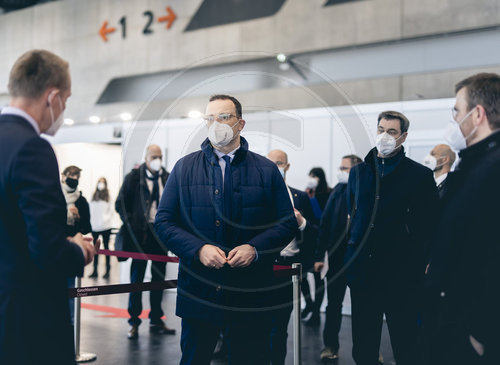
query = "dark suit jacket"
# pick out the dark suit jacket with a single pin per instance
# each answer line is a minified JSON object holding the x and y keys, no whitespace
{"x":35,"y":258}
{"x":332,"y":236}
{"x":306,"y":239}
{"x":442,"y":188}
{"x":464,"y":269}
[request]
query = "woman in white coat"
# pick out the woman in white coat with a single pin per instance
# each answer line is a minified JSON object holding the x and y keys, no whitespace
{"x":101,"y":217}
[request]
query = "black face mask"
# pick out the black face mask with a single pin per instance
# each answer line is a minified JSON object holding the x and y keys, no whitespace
{"x":72,"y":183}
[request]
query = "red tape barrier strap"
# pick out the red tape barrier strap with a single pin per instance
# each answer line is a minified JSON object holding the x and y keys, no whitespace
{"x":279,"y":270}
{"x":90,"y":291}
{"x":139,"y":256}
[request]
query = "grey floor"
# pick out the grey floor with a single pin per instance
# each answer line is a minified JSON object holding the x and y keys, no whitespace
{"x":104,"y":332}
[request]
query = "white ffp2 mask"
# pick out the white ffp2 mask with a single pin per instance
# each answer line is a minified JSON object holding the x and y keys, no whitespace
{"x":342,"y":177}
{"x":453,"y":134}
{"x":155,"y":164}
{"x":430,"y":162}
{"x":220,"y":134}
{"x":56,"y":124}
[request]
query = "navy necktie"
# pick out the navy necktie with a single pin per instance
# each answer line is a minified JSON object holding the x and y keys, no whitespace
{"x":228,"y":187}
{"x":228,"y":192}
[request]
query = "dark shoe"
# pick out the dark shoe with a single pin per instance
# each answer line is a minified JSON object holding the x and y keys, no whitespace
{"x":93,"y":275}
{"x":133,"y":332}
{"x":380,"y":359}
{"x":328,"y":354}
{"x":314,"y":320}
{"x":306,"y":311}
{"x":220,"y":352}
{"x":106,"y":276}
{"x":161,"y":329}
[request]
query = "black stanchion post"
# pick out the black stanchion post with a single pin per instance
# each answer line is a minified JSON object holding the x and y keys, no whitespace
{"x":80,"y":357}
{"x":296,"y":280}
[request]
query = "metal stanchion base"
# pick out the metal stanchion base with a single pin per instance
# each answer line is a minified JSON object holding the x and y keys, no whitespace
{"x":86,"y":357}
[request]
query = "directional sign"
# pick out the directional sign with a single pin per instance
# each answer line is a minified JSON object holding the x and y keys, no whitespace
{"x":104,"y":31}
{"x":170,"y":18}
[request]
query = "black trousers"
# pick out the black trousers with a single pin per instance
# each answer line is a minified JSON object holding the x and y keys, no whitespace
{"x":451,"y":345}
{"x":336,"y":287}
{"x":248,"y":343}
{"x":279,"y":335}
{"x":319,"y":292}
{"x":137,"y":271}
{"x":105,"y":241}
{"x":369,"y":304}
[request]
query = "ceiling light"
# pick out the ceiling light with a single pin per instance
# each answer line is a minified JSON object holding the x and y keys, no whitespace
{"x":95,"y":119}
{"x":126,"y":117}
{"x":195,"y":114}
{"x":69,"y":121}
{"x":281,"y":57}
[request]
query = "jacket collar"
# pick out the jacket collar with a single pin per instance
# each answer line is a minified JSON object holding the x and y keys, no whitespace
{"x":143,"y":171}
{"x":473,"y":153}
{"x":372,"y":156}
{"x":239,"y":155}
{"x":10,"y":110}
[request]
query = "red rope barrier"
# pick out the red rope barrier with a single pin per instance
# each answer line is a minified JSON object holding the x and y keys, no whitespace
{"x":279,"y":270}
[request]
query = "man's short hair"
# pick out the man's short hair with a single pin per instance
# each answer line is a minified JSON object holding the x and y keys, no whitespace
{"x":391,"y":115}
{"x":483,"y":89}
{"x":72,"y":170}
{"x":354,"y":159}
{"x":36,"y":71}
{"x":228,"y":97}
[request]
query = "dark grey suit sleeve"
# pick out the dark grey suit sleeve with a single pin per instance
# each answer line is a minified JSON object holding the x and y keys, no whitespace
{"x":35,"y":179}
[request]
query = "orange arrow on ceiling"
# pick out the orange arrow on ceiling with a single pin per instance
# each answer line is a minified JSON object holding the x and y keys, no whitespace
{"x":168,"y":18}
{"x":104,"y":31}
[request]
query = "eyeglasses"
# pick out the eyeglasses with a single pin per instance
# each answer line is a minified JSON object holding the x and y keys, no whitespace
{"x":390,"y":132}
{"x":222,"y":117}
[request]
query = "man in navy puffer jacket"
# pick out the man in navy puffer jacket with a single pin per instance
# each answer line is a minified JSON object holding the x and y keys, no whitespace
{"x":226,"y":213}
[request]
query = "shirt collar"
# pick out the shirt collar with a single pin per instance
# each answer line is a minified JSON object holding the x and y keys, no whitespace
{"x":440,"y":179}
{"x":21,"y":113}
{"x":230,"y":154}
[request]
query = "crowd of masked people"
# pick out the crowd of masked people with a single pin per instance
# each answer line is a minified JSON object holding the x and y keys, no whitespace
{"x":415,"y":243}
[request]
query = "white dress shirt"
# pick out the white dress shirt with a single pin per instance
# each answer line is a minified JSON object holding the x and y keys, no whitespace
{"x":222,"y":163}
{"x":292,"y":248}
{"x":21,"y":113}
{"x":154,"y":208}
{"x":440,"y":179}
